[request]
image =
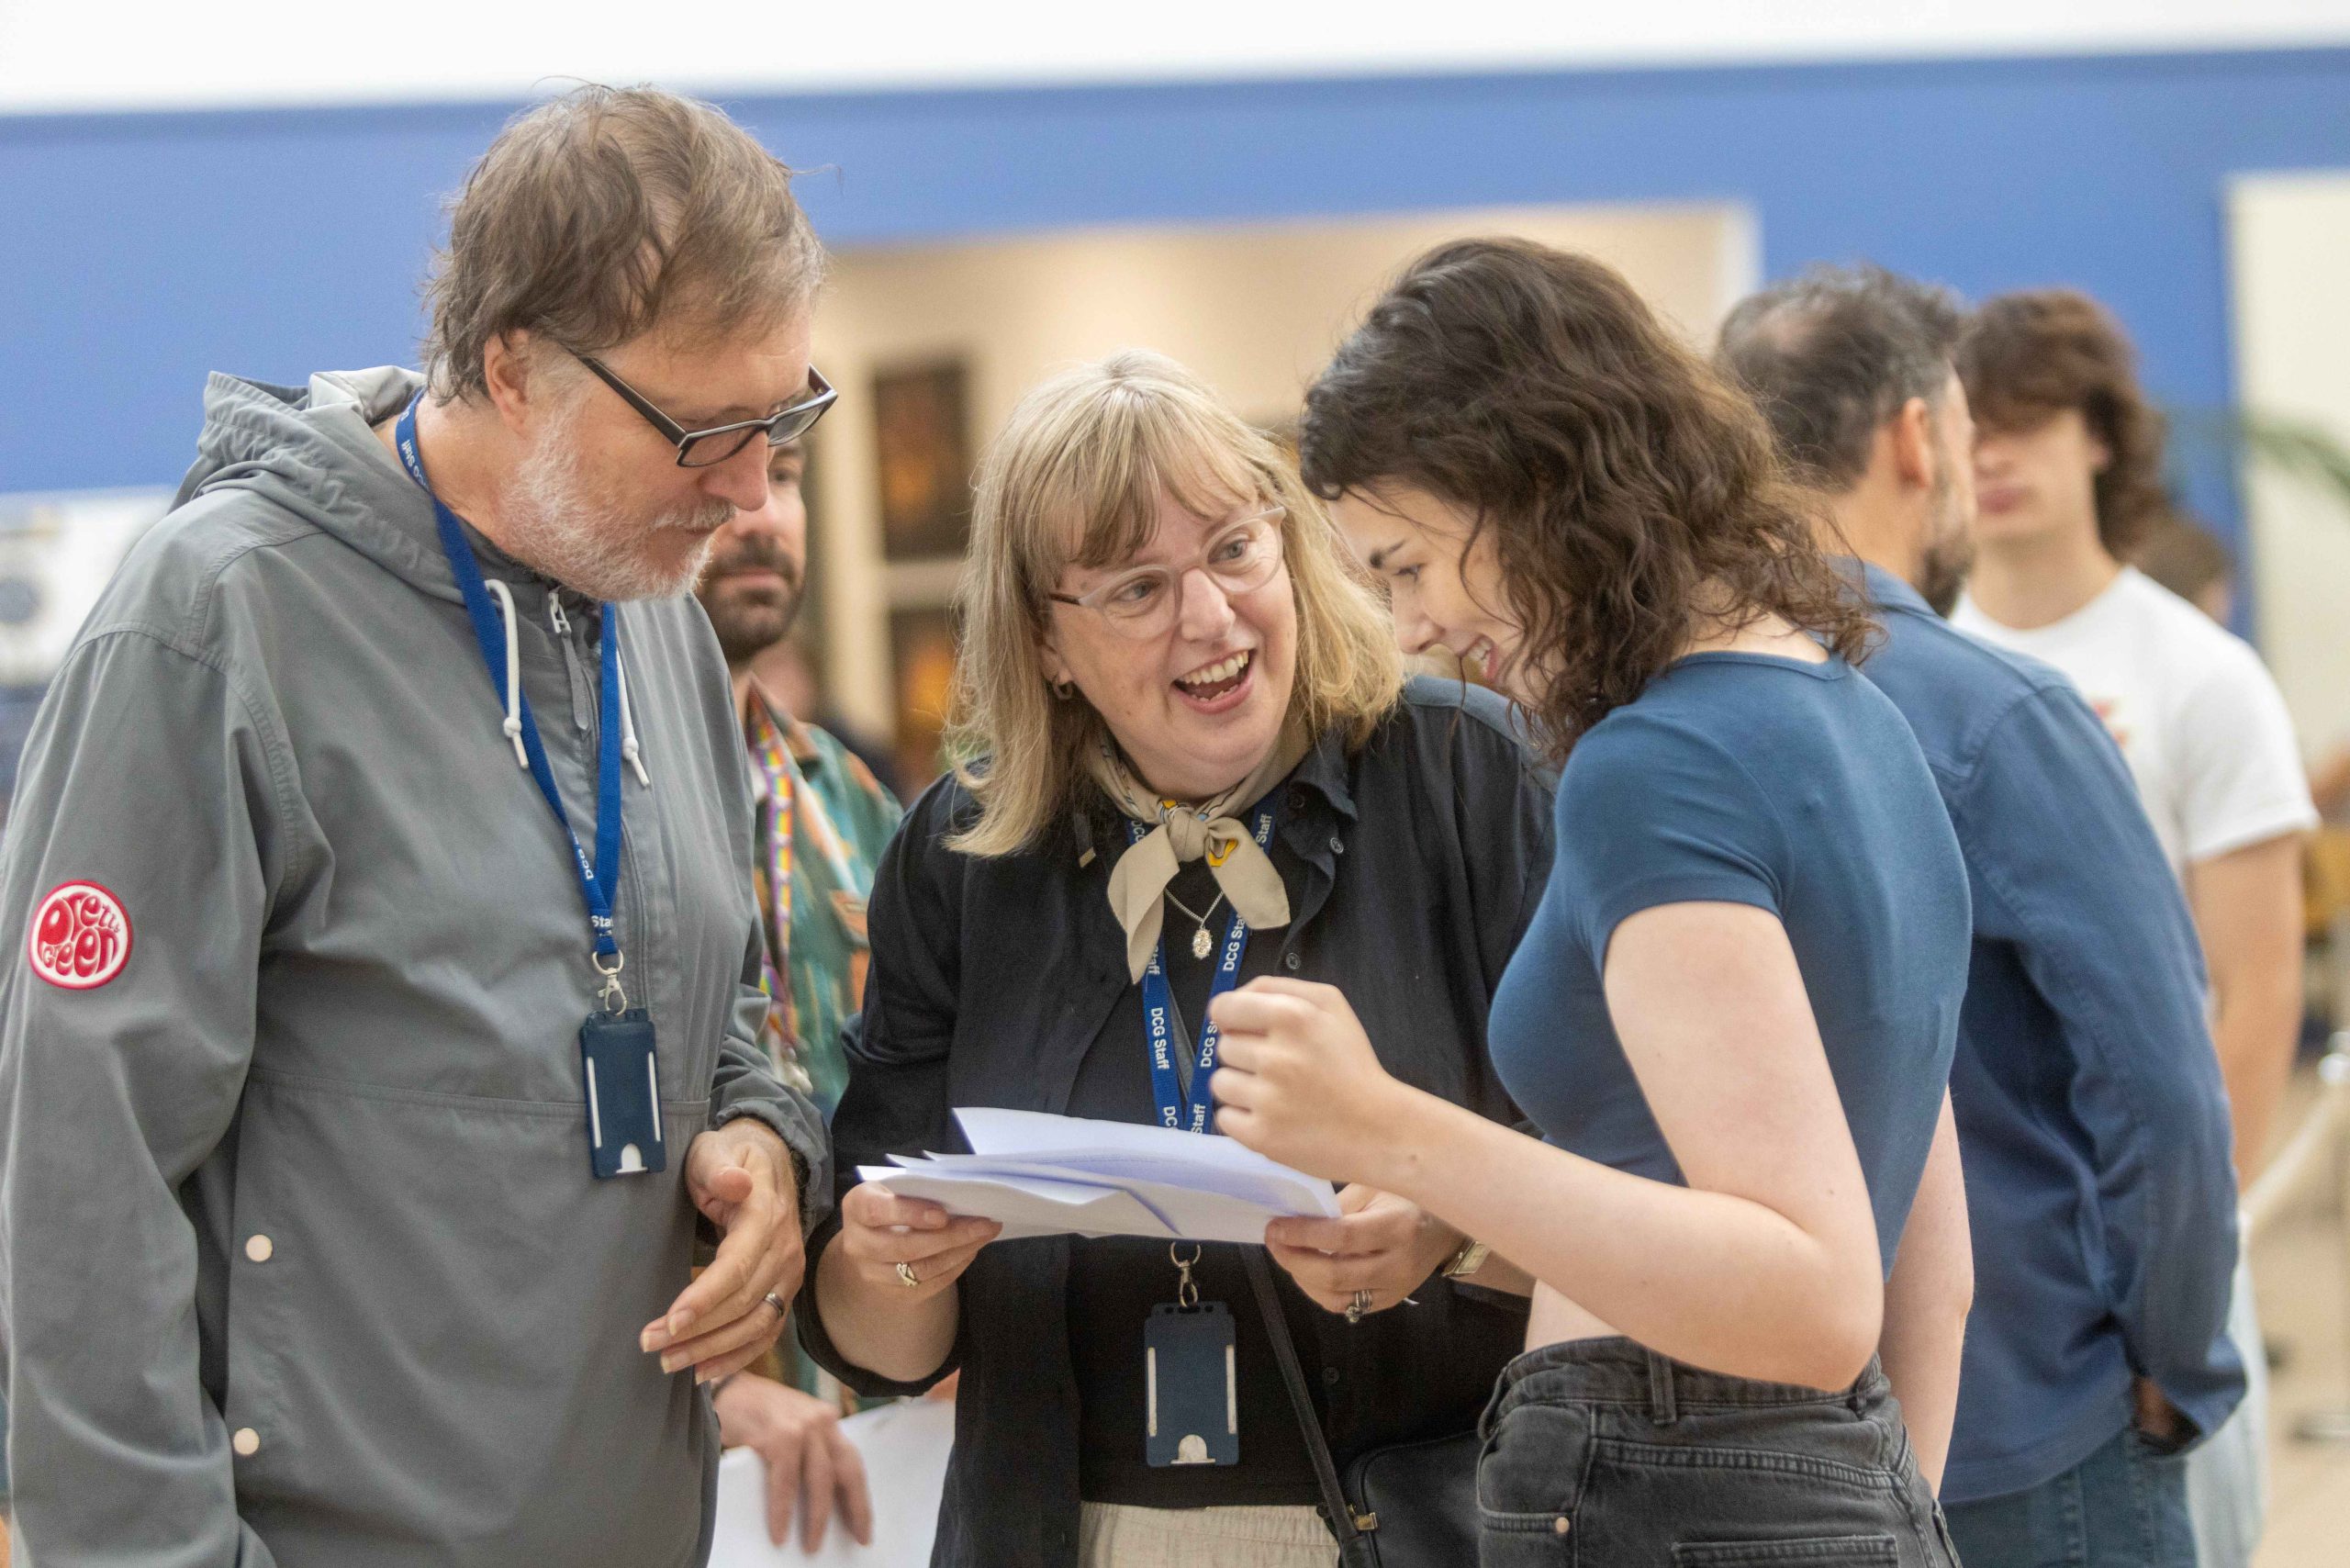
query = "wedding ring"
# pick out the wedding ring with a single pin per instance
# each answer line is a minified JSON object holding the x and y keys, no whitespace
{"x":1358,"y":1306}
{"x":906,"y":1277}
{"x":777,"y":1302}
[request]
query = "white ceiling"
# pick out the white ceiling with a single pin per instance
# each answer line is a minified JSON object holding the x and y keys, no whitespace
{"x":68,"y":54}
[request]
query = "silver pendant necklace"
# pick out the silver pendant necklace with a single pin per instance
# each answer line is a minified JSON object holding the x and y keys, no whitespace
{"x":1202,"y":943}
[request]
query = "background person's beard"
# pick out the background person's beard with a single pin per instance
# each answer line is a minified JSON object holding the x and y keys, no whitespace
{"x":748,"y":626}
{"x":1949,"y":555}
{"x":555,"y":527}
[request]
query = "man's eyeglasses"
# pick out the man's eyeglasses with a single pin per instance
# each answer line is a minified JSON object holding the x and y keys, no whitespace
{"x":702,"y":448}
{"x":1143,"y":602}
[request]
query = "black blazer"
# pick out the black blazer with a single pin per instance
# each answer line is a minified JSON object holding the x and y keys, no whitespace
{"x":1416,"y":863}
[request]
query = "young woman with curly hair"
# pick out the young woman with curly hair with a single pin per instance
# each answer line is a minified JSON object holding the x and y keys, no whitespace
{"x":1733,"y":1014}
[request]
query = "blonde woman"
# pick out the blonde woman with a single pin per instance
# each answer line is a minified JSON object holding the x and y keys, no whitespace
{"x":1199,"y":762}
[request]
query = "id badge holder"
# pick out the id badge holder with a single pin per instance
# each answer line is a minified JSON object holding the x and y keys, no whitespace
{"x":1191,"y":1379}
{"x":624,"y":1077}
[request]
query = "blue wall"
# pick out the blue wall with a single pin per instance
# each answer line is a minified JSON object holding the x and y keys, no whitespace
{"x":145,"y":249}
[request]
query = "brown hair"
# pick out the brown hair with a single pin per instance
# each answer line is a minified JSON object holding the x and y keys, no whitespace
{"x":2028,"y":356}
{"x":598,"y":214}
{"x":1625,"y":483}
{"x":1074,"y":477}
{"x":2183,"y":555}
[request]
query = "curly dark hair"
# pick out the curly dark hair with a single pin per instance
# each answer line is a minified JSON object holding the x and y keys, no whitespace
{"x":2028,"y":356}
{"x":1633,"y":494}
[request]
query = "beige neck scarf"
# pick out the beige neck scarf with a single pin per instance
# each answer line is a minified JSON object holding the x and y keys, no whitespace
{"x":1185,"y":833}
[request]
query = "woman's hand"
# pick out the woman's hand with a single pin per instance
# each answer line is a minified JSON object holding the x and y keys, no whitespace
{"x":879,"y":1231}
{"x":1380,"y":1246}
{"x":1299,"y":1081}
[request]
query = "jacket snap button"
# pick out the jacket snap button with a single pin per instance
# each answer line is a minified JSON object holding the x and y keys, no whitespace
{"x":1559,"y":1526}
{"x":1292,"y":961}
{"x":259,"y":1248}
{"x":1338,"y":844}
{"x":246,"y":1442}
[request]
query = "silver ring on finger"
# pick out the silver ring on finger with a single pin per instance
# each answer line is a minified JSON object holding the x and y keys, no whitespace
{"x":1358,"y":1306}
{"x":773,"y":1300}
{"x":906,"y":1277}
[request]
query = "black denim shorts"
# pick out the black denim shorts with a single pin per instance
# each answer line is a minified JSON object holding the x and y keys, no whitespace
{"x":1600,"y":1453}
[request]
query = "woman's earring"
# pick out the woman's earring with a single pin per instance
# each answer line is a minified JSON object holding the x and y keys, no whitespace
{"x":1062,"y":690}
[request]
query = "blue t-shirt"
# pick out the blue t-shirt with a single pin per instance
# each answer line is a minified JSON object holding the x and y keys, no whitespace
{"x":1793,"y":788}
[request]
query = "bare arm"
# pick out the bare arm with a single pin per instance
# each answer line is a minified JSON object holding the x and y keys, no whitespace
{"x":2330,"y":781}
{"x":1765,"y":1265}
{"x":1926,"y":1303}
{"x":2247,"y":906}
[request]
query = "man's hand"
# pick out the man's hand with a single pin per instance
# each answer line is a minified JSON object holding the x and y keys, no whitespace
{"x":799,"y":1437}
{"x":2157,"y":1421}
{"x":1379,"y":1245}
{"x":739,"y":1178}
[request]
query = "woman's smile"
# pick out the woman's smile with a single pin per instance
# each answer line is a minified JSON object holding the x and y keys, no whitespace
{"x":1220,"y":686}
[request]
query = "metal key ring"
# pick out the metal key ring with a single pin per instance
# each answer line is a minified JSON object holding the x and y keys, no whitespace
{"x":614,"y":996}
{"x":1358,"y":1306}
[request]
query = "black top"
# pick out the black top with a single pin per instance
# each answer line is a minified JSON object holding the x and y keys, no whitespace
{"x":1114,"y":1280}
{"x":1413,"y":865}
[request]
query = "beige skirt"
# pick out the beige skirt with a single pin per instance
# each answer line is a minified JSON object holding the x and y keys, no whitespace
{"x":1112,"y":1534}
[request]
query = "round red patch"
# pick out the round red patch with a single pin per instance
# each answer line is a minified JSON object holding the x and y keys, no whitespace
{"x":80,"y":936}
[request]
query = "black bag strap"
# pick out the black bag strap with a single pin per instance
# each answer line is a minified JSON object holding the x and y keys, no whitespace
{"x":1354,"y":1546}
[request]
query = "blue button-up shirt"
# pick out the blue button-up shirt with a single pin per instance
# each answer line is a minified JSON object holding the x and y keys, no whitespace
{"x":2090,"y":1113}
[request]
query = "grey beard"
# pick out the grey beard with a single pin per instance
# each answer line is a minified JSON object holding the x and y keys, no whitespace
{"x":556,"y":528}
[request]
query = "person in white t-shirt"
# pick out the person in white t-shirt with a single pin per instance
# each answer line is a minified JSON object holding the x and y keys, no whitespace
{"x":2067,"y":472}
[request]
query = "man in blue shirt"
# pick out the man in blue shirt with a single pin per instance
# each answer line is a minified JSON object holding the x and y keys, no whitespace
{"x":2088,"y":1099}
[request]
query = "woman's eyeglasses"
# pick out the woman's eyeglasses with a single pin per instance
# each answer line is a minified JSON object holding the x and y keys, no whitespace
{"x":1143,"y":602}
{"x":704,"y":448}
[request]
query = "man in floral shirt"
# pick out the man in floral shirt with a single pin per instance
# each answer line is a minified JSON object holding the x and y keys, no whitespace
{"x":823,"y":820}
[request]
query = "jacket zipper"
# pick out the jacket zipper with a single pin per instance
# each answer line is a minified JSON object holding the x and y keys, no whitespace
{"x":582,"y":709}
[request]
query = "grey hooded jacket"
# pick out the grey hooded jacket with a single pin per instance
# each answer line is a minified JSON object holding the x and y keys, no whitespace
{"x":301,"y":1262}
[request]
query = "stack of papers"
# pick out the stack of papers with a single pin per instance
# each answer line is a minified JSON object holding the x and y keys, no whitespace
{"x":1042,"y":1175}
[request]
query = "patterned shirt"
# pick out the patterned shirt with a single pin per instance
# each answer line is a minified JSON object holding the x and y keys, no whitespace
{"x":822,"y":821}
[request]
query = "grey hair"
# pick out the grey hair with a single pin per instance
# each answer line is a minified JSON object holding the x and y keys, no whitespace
{"x":606,"y":211}
{"x":1830,"y":355}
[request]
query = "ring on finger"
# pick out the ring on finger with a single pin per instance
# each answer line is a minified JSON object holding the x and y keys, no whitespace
{"x":773,"y":1300}
{"x":906,"y":1277}
{"x":1359,"y":1304}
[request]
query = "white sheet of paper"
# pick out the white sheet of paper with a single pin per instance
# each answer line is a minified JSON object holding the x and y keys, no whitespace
{"x":904,"y":1447}
{"x":1027,"y":1204}
{"x":1047,"y":1175}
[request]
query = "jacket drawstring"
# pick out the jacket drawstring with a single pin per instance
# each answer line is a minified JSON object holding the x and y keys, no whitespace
{"x":628,"y":730}
{"x":513,"y":725}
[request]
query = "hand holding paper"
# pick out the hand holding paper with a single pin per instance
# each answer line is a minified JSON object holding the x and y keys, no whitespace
{"x":1042,"y":1175}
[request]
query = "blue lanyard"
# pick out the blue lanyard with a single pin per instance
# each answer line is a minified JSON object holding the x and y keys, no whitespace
{"x":600,"y":881}
{"x":1175,"y":1109}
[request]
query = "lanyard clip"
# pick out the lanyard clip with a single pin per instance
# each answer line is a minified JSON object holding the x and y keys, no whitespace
{"x":1187,"y":1292}
{"x":613,"y":998}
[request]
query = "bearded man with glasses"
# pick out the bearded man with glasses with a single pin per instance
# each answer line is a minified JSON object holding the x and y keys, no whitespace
{"x":383,"y":1019}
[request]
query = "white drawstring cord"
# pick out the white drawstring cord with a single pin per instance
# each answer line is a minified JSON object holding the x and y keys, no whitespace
{"x":628,"y":725}
{"x":513,"y":725}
